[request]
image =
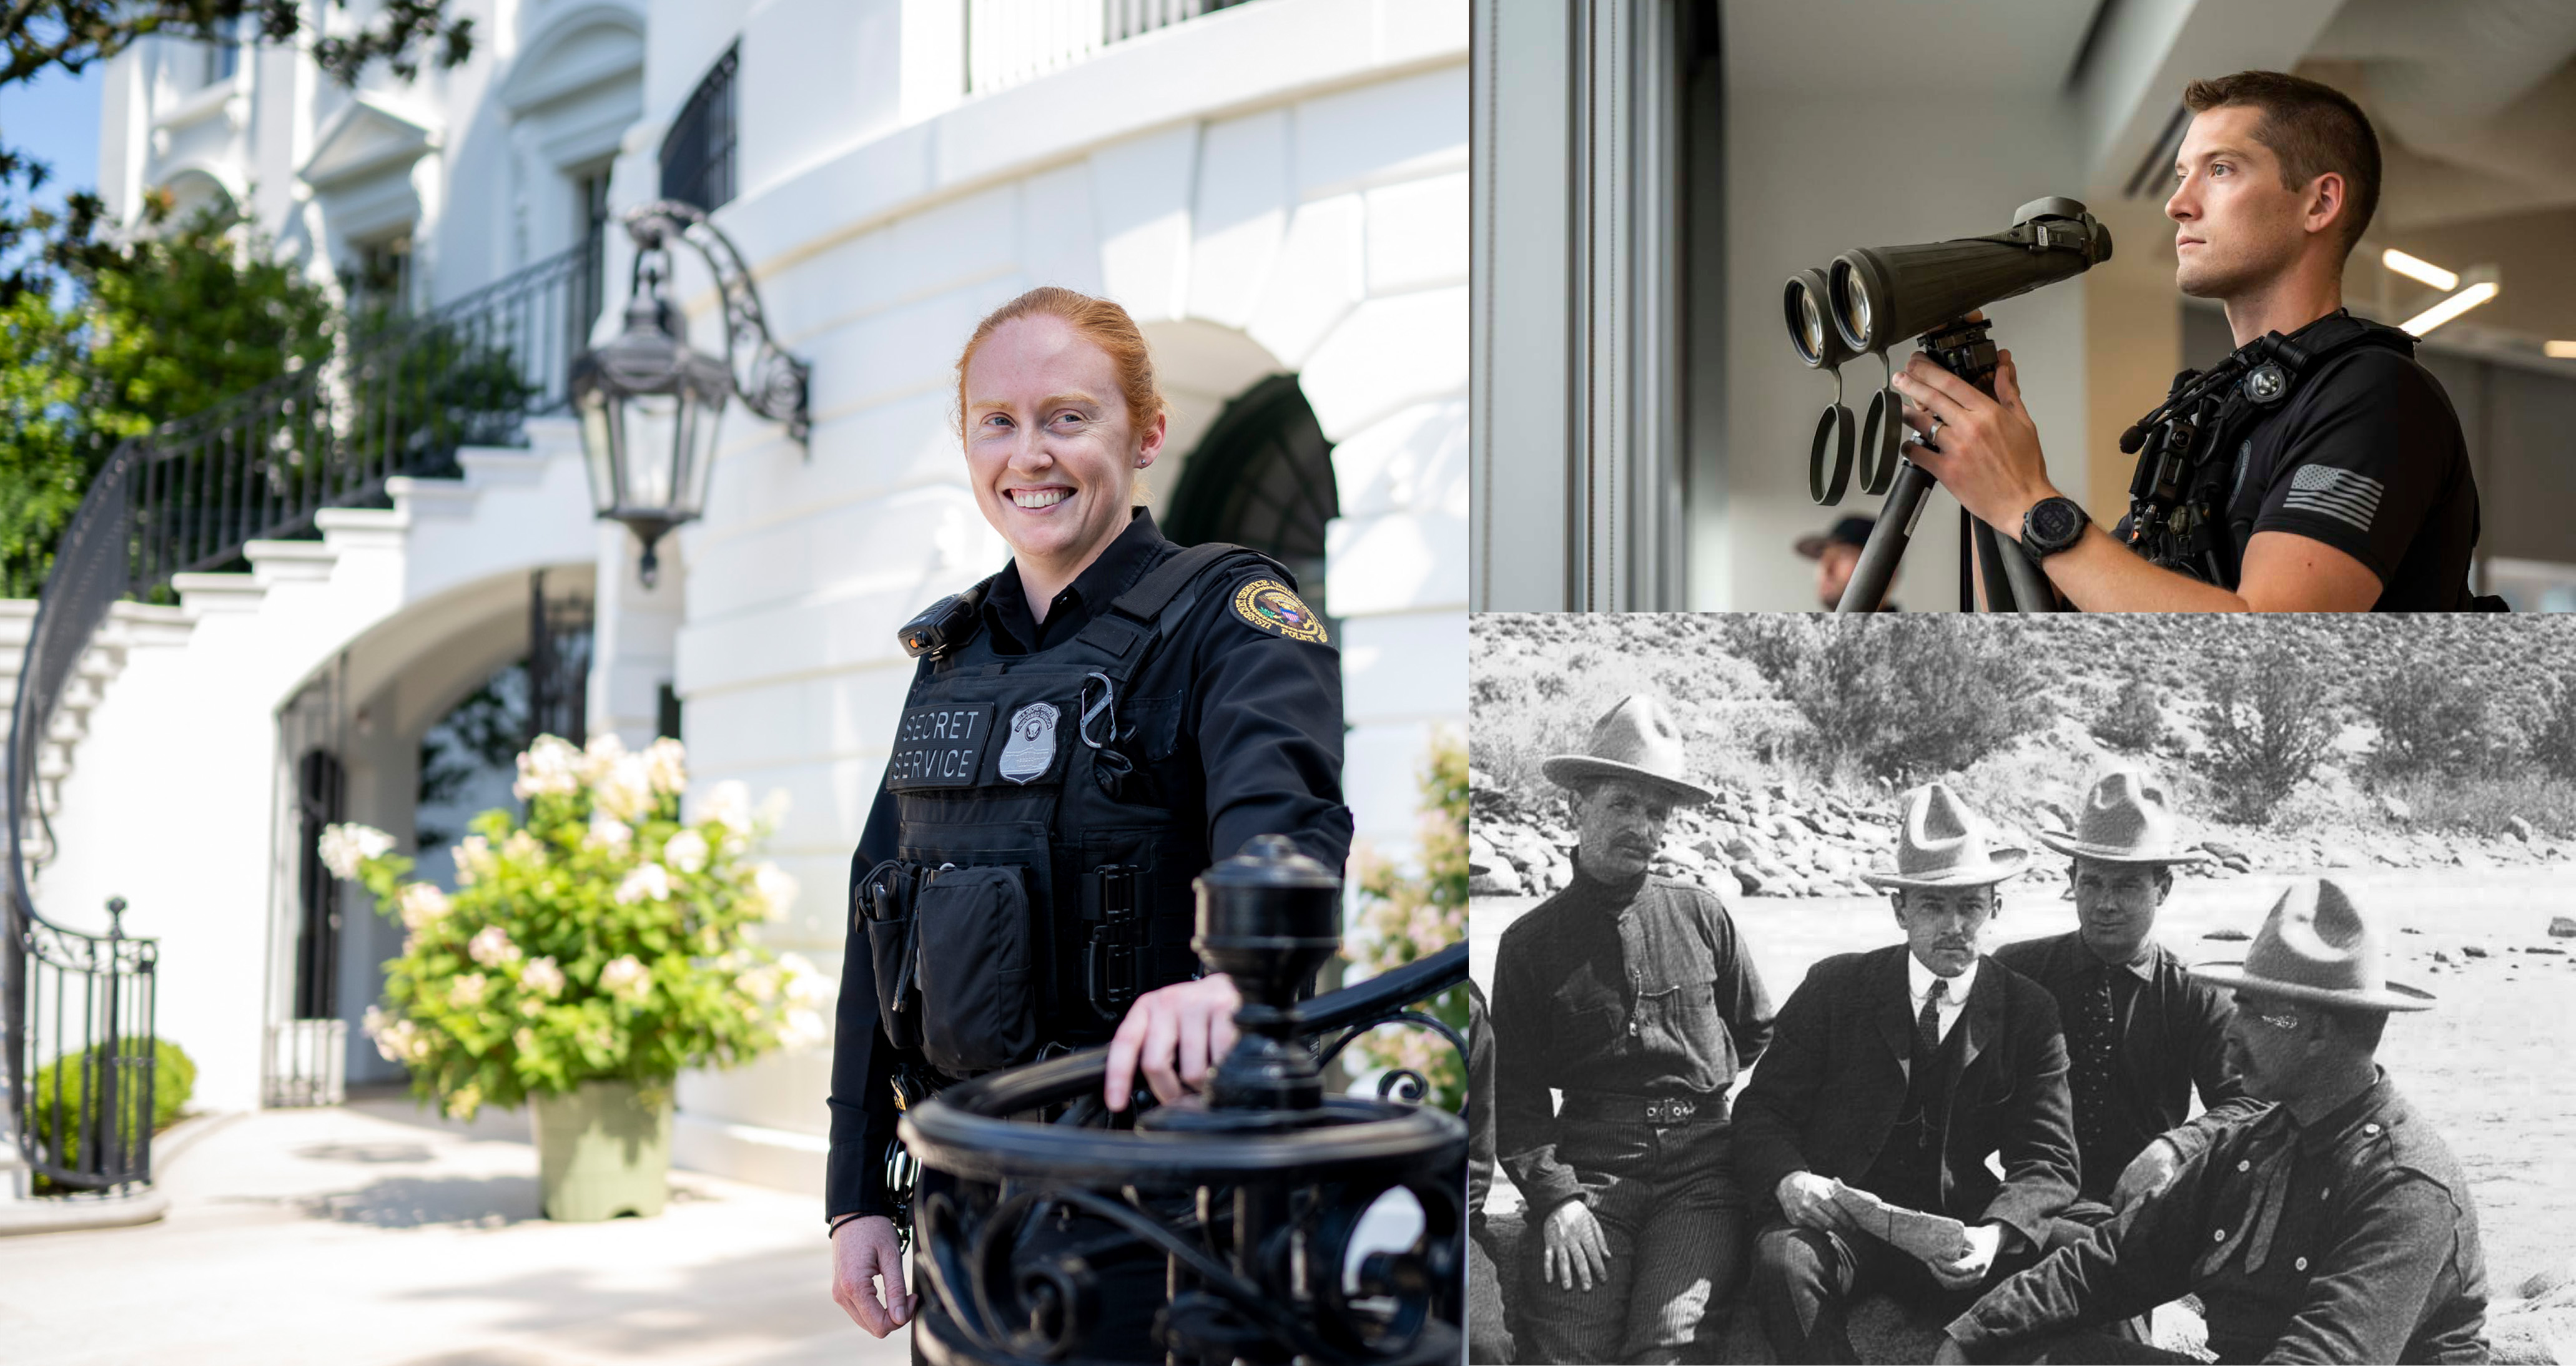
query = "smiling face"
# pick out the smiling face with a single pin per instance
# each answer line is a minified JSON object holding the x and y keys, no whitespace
{"x":1945,"y":926}
{"x":2116,"y":904}
{"x":1621,"y":825}
{"x":1050,"y":446}
{"x":2237,"y":226}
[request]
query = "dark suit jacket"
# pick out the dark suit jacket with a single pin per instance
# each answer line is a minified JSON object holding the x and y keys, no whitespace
{"x":1826,"y":1095}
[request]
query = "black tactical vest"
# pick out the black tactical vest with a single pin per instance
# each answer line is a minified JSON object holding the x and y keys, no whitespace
{"x":1050,"y":827}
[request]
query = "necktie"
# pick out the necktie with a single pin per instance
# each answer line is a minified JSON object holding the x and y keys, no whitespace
{"x":1927,"y":1026}
{"x":2093,"y":1045}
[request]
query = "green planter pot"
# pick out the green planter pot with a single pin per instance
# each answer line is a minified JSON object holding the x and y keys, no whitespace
{"x":602,"y":1152}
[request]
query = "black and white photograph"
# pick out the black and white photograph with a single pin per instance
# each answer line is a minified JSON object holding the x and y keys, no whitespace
{"x":1917,"y":989}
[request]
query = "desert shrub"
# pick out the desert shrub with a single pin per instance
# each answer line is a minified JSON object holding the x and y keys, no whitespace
{"x":2269,"y":723}
{"x":59,"y":1094}
{"x":2553,"y":734}
{"x":2133,"y":723}
{"x":2429,"y":721}
{"x":1899,"y":698}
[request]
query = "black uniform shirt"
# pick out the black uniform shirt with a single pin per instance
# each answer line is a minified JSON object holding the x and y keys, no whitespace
{"x":2366,"y":455}
{"x":1262,"y":712}
{"x":2169,"y":1036}
{"x":1638,"y":988}
{"x":2350,"y":1239}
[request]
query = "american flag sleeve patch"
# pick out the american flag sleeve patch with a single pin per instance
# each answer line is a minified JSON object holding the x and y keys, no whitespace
{"x":2345,"y":495}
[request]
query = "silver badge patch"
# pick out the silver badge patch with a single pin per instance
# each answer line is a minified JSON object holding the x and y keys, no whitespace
{"x":1031,"y":751}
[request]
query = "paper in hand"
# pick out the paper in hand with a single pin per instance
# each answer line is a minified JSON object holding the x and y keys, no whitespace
{"x":1925,"y":1237}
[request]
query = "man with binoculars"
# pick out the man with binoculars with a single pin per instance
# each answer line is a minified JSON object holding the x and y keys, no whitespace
{"x":2343,"y":481}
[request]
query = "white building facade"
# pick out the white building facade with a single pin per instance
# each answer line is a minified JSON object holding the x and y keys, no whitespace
{"x":1277,"y":190}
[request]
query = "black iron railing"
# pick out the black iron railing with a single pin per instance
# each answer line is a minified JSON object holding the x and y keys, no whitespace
{"x":399,"y":396}
{"x":87,"y":1114}
{"x":1205,"y":1234}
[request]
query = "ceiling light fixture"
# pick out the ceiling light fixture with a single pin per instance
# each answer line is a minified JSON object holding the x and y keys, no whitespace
{"x":2417,"y":268}
{"x":2450,"y":308}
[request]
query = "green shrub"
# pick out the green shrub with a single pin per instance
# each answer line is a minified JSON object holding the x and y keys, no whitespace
{"x":2269,"y":724}
{"x":174,"y":1078}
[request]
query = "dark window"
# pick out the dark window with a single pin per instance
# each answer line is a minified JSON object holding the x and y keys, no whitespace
{"x":1262,"y":477}
{"x":558,"y":664}
{"x":379,"y":281}
{"x":697,"y":154}
{"x":666,"y":712}
{"x":320,"y":785}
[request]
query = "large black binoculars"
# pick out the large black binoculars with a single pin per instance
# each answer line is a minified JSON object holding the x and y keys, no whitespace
{"x":1871,"y":298}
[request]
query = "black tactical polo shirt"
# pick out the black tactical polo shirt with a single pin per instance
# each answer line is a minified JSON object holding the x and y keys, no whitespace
{"x":2366,"y":456}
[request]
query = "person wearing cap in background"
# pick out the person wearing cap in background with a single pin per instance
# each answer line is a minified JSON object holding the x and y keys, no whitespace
{"x":1899,"y":1072}
{"x":2141,"y":1033}
{"x":1836,"y":550}
{"x":2332,"y":1226}
{"x":1634,"y":997}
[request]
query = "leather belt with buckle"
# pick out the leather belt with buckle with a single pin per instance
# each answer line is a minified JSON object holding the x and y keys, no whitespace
{"x":1670,"y":1110}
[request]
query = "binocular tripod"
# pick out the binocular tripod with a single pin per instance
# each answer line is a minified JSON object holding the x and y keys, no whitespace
{"x":2012,"y":582}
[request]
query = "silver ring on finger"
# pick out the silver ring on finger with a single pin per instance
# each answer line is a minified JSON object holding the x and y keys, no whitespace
{"x":1932,"y":431}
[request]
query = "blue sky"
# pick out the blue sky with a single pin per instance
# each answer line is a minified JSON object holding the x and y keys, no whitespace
{"x":55,"y":119}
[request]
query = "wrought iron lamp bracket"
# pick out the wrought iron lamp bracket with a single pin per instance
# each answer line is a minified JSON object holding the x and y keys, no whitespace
{"x":770,"y":382}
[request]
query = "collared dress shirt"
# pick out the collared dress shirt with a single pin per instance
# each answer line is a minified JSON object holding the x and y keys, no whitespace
{"x":2350,"y":1239}
{"x":1639,"y":988}
{"x":1954,"y":997}
{"x":2169,"y":1039}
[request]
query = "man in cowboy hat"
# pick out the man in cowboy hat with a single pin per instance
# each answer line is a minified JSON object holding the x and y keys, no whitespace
{"x":1634,"y":997}
{"x":2332,"y":1226}
{"x":2141,"y":1033}
{"x":1899,"y":1072}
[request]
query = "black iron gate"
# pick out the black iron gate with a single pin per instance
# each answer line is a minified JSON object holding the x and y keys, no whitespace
{"x":559,"y":649}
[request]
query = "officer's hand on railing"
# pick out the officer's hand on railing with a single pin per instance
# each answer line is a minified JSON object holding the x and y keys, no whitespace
{"x":1808,"y":1201}
{"x":1575,"y":1247}
{"x":2147,"y":1175}
{"x":1173,"y":1033}
{"x":864,"y":1250}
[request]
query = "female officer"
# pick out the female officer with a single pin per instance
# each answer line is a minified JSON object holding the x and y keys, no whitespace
{"x":1087,"y":731}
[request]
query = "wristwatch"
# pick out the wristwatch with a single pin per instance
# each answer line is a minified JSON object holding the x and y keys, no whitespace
{"x":2051,"y":525}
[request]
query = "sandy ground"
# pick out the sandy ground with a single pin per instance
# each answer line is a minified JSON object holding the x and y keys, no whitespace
{"x":2490,"y":1063}
{"x":375,"y":1234}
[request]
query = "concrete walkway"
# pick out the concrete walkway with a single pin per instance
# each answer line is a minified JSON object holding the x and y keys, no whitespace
{"x":374,"y":1233}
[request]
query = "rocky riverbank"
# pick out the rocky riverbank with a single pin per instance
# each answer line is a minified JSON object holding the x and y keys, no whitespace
{"x":1777,"y":841}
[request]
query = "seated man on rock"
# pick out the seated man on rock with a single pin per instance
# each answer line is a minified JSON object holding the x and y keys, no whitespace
{"x":1634,"y":997}
{"x":1899,"y":1073}
{"x":2332,"y":1226}
{"x":2141,"y":1033}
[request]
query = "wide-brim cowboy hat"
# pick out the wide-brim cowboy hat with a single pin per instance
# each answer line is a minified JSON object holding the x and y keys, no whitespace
{"x":2318,"y":945}
{"x":1944,"y":844}
{"x":1638,"y":742}
{"x":2125,"y":820}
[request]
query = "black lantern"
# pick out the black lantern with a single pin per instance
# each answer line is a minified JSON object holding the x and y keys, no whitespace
{"x":649,"y":404}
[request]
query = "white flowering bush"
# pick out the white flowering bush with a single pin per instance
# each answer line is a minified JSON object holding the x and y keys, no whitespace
{"x":601,"y":939}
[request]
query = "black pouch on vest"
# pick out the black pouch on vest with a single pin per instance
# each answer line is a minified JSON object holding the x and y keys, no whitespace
{"x":885,"y":908}
{"x":978,"y":992}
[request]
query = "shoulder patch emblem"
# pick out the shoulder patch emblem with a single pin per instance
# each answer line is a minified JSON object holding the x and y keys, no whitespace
{"x":1267,"y":605}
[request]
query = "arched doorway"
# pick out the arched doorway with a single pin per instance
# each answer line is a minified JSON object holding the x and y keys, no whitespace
{"x":1262,"y":477}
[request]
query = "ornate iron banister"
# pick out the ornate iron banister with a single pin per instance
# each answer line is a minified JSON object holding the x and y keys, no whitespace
{"x":397,"y":397}
{"x":1226,"y":1227}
